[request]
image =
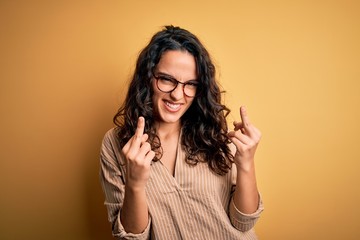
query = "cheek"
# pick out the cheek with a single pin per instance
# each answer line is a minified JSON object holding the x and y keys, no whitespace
{"x":154,"y":91}
{"x":156,"y":98}
{"x":190,"y":102}
{"x":157,"y":95}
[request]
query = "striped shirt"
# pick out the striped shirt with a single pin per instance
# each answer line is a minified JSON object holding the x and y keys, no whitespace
{"x":195,"y":203}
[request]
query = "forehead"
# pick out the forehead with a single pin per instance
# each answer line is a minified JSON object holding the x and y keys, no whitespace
{"x":179,"y":64}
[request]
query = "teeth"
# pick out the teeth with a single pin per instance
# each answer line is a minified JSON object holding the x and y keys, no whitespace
{"x":173,"y":106}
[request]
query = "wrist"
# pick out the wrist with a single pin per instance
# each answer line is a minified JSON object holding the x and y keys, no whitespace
{"x":245,"y":167}
{"x":134,"y":188}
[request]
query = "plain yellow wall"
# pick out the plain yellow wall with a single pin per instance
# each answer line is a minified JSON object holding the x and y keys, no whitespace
{"x":294,"y":64}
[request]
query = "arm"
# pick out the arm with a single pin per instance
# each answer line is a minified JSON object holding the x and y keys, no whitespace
{"x":246,"y":195}
{"x":137,"y":151}
{"x":134,"y":214}
{"x":126,"y":207}
{"x":246,"y":200}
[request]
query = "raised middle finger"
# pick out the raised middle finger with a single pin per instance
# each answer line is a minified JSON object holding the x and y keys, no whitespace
{"x":139,"y":132}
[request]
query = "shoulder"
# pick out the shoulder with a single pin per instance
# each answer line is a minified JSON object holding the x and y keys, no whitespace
{"x":111,"y":135}
{"x":110,"y":148}
{"x":110,"y":140}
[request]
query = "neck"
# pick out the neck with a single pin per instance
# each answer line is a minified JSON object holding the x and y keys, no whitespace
{"x":167,"y":130}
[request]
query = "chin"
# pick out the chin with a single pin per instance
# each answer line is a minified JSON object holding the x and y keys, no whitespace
{"x":170,"y":118}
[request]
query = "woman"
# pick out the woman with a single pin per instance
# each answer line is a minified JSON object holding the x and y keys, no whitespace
{"x":171,"y":169}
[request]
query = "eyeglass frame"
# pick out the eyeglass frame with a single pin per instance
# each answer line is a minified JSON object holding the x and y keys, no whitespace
{"x":177,"y":83}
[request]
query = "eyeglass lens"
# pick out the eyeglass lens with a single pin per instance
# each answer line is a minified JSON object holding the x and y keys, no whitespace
{"x":167,"y":84}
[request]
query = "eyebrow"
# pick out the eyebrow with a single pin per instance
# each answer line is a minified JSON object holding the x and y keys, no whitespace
{"x":169,"y":76}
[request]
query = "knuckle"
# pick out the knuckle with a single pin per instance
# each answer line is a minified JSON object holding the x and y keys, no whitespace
{"x":146,"y":146}
{"x":139,"y":163}
{"x":144,"y":137}
{"x":257,"y":138}
{"x":240,"y":148}
{"x":124,"y":151}
{"x":238,"y":133}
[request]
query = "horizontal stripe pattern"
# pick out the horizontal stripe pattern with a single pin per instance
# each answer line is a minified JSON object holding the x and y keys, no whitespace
{"x":195,"y":203}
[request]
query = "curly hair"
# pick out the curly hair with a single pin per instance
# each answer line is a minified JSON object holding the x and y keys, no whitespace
{"x":204,"y":127}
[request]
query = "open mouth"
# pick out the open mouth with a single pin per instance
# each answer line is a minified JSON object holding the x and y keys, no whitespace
{"x":173,"y":106}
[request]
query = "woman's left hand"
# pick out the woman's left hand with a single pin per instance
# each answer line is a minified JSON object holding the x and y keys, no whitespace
{"x":246,"y":138}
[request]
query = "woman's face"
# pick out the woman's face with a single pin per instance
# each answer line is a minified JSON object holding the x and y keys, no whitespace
{"x":179,"y":65}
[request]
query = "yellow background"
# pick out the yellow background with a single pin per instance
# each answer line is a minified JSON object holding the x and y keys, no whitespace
{"x":294,"y":64}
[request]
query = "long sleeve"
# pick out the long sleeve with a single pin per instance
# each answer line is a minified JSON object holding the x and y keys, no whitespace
{"x":241,"y":221}
{"x":113,"y":184}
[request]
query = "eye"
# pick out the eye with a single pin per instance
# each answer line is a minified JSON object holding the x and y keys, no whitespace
{"x":192,"y":83}
{"x":166,"y":79}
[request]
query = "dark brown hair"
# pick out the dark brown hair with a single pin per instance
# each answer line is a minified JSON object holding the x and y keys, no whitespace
{"x":204,"y":127}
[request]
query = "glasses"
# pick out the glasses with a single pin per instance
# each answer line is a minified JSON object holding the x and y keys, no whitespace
{"x":167,"y":84}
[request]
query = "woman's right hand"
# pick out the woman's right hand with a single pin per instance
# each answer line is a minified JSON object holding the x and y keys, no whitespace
{"x":138,"y":155}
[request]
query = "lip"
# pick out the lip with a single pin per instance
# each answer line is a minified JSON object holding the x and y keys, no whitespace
{"x":175,"y":106}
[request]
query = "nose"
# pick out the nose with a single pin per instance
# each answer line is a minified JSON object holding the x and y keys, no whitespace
{"x":178,"y":92}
